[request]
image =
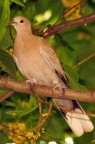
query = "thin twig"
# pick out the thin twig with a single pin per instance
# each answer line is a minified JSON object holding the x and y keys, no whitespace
{"x":84,"y":60}
{"x":8,"y":94}
{"x":46,"y":117}
{"x":40,"y":118}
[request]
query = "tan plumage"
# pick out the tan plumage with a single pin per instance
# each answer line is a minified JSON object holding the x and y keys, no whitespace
{"x":38,"y":62}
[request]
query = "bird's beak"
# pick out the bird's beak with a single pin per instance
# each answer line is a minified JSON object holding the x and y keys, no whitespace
{"x":10,"y":23}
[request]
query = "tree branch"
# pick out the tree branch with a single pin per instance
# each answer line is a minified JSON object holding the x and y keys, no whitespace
{"x":46,"y":91}
{"x":57,"y":28}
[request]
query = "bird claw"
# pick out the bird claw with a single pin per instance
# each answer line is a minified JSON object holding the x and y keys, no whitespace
{"x":58,"y":86}
{"x":30,"y":83}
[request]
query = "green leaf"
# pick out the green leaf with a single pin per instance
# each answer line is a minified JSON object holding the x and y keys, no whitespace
{"x":8,"y":63}
{"x":18,"y":2}
{"x":73,"y":78}
{"x":32,"y":102}
{"x":1,"y":5}
{"x":9,"y":104}
{"x":6,"y":42}
{"x":22,"y":112}
{"x":5,"y":17}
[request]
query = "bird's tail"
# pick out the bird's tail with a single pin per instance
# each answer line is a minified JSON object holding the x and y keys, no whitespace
{"x":76,"y":118}
{"x":74,"y":115}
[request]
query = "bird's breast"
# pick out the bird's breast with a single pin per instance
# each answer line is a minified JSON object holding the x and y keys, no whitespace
{"x":32,"y":65}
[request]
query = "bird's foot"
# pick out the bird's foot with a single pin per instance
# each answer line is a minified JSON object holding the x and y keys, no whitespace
{"x":30,"y":83}
{"x":58,"y":86}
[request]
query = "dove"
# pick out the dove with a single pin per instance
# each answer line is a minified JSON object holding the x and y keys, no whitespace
{"x":39,"y":64}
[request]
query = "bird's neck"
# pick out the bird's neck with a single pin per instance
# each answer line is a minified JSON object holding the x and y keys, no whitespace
{"x":23,"y":31}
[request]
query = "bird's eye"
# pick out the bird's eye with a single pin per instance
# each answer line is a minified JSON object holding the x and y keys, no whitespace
{"x":21,"y":21}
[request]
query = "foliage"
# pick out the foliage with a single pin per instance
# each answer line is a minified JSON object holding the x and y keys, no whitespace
{"x":20,"y":112}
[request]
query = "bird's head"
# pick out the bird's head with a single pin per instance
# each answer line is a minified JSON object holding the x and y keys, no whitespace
{"x":21,"y":24}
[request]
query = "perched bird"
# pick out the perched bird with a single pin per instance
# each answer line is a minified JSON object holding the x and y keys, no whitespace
{"x":37,"y":61}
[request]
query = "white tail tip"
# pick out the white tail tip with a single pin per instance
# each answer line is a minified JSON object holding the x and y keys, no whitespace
{"x":79,"y":122}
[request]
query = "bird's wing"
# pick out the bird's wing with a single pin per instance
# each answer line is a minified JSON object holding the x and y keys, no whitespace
{"x":77,"y":119}
{"x":50,"y":57}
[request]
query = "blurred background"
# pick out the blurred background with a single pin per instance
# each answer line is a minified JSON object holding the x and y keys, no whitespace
{"x":20,"y":111}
